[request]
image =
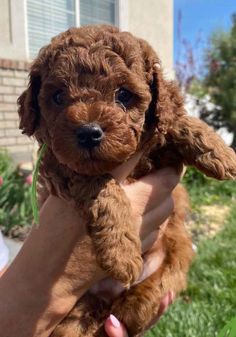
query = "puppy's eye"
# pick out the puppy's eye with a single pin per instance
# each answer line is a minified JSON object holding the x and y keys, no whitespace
{"x":124,"y":97}
{"x":58,"y":98}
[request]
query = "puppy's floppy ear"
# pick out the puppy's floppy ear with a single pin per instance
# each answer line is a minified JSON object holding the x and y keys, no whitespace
{"x":167,"y":102}
{"x":200,"y":146}
{"x":28,"y":108}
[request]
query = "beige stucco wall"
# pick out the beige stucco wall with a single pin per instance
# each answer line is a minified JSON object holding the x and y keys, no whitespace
{"x":12,"y":30}
{"x":152,"y":20}
{"x":5,"y":27}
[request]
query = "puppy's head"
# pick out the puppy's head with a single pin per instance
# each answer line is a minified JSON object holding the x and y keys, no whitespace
{"x":87,"y":98}
{"x":94,"y":95}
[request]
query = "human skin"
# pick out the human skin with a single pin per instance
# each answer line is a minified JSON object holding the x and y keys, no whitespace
{"x":43,"y":283}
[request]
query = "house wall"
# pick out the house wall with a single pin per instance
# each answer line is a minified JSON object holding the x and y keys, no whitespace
{"x":13,"y":80}
{"x":152,"y":20}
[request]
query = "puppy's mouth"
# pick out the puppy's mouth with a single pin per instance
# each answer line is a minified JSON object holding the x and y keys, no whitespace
{"x":93,"y":148}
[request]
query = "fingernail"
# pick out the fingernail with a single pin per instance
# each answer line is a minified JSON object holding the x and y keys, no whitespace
{"x":114,"y":321}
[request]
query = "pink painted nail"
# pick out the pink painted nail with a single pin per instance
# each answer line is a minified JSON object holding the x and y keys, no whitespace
{"x":114,"y":321}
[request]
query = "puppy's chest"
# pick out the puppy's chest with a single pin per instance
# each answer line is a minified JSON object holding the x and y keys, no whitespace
{"x":60,"y":181}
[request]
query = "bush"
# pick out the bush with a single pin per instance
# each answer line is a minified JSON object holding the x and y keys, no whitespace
{"x":15,"y":205}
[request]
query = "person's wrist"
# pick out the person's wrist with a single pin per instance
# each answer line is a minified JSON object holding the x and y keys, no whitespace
{"x":44,"y":281}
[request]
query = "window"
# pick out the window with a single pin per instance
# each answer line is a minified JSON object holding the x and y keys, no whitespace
{"x":98,"y":12}
{"x":47,"y":18}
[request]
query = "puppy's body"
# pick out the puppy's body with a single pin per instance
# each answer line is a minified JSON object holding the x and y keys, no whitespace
{"x":97,"y":96}
{"x":138,"y":306}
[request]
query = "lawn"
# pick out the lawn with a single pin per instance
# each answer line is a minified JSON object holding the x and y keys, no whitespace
{"x":210,"y":300}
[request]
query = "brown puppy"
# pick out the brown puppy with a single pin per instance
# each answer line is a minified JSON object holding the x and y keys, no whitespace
{"x":96,"y":96}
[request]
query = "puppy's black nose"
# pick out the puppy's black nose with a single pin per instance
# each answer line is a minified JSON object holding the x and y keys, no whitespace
{"x":90,"y":135}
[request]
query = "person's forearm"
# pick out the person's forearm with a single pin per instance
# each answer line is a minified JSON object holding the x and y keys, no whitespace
{"x":38,"y":289}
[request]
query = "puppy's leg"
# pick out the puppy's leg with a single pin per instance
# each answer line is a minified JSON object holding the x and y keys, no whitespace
{"x":200,"y":146}
{"x":86,"y":319}
{"x":115,"y":239}
{"x":138,"y":307}
{"x":109,"y":222}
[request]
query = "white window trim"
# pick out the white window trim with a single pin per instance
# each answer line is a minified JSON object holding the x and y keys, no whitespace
{"x":26,"y":31}
{"x":123,"y":14}
{"x":77,"y":13}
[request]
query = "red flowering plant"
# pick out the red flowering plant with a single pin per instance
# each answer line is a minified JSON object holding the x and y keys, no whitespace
{"x":15,"y":206}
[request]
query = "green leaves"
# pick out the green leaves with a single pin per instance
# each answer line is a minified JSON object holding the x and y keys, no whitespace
{"x":15,"y":206}
{"x":220,"y":79}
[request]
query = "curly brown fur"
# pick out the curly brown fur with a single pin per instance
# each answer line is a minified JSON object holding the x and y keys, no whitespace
{"x":86,"y":67}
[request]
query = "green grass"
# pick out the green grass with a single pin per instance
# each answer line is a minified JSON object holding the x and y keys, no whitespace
{"x":210,"y":300}
{"x":207,"y":191}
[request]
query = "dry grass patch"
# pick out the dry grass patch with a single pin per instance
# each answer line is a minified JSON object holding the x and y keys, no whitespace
{"x":208,"y":221}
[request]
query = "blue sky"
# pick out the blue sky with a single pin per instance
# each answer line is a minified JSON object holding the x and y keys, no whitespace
{"x":201,"y":17}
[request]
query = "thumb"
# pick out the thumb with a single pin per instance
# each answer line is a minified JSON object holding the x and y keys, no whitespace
{"x":114,"y":328}
{"x":121,"y":172}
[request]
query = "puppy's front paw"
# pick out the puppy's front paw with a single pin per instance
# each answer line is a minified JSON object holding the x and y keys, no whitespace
{"x":122,"y":262}
{"x":127,"y":269}
{"x":132,"y":314}
{"x":137,"y":308}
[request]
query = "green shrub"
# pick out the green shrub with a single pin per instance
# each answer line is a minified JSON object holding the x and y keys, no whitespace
{"x":15,"y":205}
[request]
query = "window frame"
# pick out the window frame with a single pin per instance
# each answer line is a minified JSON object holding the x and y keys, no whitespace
{"x":121,"y":19}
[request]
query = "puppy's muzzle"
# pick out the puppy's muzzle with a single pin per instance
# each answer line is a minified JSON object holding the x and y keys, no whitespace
{"x":89,"y":135}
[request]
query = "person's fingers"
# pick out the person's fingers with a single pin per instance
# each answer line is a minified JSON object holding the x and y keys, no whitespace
{"x":149,"y":241}
{"x":153,"y":219}
{"x":121,"y":172}
{"x":115,"y":328}
{"x":153,"y":260}
{"x":152,"y":189}
{"x":165,"y":303}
